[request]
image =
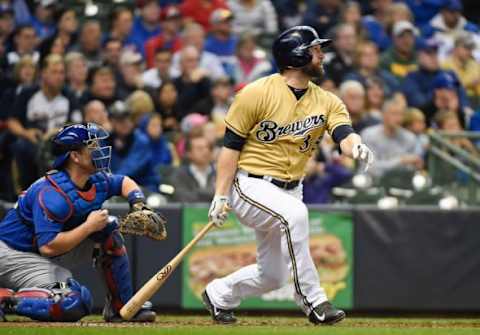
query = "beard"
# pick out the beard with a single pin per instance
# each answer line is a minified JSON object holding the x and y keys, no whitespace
{"x":314,"y":71}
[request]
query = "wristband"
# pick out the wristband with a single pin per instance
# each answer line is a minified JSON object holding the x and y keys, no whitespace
{"x":135,"y":197}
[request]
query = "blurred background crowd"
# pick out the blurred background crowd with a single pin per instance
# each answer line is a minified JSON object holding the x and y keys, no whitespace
{"x":160,"y":76}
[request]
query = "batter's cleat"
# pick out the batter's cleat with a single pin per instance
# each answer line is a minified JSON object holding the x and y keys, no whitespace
{"x":145,"y":314}
{"x":5,"y":302}
{"x":326,"y":314}
{"x":223,"y":316}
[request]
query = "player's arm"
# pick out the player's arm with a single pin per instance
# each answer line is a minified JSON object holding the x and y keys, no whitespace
{"x":340,"y":128}
{"x":68,"y":240}
{"x":226,"y":168}
{"x":349,"y":142}
{"x":126,"y":187}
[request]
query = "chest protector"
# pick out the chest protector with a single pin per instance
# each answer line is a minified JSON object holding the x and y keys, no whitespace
{"x":79,"y":203}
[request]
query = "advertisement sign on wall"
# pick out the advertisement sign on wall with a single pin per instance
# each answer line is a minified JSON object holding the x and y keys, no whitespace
{"x":225,"y":250}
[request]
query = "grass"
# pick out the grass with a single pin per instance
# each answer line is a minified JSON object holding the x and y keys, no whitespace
{"x":251,"y":325}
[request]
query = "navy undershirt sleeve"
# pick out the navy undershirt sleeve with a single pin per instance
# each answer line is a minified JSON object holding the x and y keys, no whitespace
{"x":340,"y":132}
{"x":233,"y":141}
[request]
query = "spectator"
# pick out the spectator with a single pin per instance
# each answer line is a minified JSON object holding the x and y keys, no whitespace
{"x":24,"y":75}
{"x":193,"y":85}
{"x":67,"y":26}
{"x":290,"y":12}
{"x":378,"y":23}
{"x":424,"y":11}
{"x":400,"y":59}
{"x":321,"y":177}
{"x":7,"y":26}
{"x":353,"y":95}
{"x":375,"y":96}
{"x":151,"y":126}
{"x":194,"y":35}
{"x":131,"y":155}
{"x":37,"y":111}
{"x":42,"y":20}
{"x":52,"y":45}
{"x":323,"y":15}
{"x":445,"y":97}
{"x":339,"y":62}
{"x":367,"y":61}
{"x":111,"y":52}
{"x":24,"y":41}
{"x":131,"y":69}
{"x":102,"y":86}
{"x":167,"y":106}
{"x":417,"y":85}
{"x":90,"y":42}
{"x":351,"y":13}
{"x":199,"y":11}
{"x":395,"y":148}
{"x":140,"y":104}
{"x":250,"y":63}
{"x":77,"y":72}
{"x":465,"y":67}
{"x":216,"y":105}
{"x":221,"y":41}
{"x":415,"y":122}
{"x":155,"y":76}
{"x":171,"y":23}
{"x":257,"y":17}
{"x":195,"y":180}
{"x":447,"y":25}
{"x":450,"y":123}
{"x":121,"y":23}
{"x":96,"y":112}
{"x":147,"y":24}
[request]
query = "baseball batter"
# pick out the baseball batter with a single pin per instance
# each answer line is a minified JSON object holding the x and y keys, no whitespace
{"x":273,"y":126}
{"x":58,"y":223}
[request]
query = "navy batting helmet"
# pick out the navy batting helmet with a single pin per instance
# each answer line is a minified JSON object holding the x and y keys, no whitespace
{"x":78,"y":136}
{"x":290,"y":49}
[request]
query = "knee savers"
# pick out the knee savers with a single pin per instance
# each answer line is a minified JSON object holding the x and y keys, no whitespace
{"x":69,"y":303}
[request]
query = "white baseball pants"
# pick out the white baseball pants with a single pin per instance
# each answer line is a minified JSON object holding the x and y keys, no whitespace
{"x":280,"y":220}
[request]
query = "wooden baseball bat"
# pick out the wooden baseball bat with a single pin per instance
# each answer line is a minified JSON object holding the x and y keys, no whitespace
{"x":153,"y":284}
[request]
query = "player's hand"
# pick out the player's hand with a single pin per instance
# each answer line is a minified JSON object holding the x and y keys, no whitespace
{"x":363,"y":154}
{"x":219,"y":208}
{"x":97,"y":220}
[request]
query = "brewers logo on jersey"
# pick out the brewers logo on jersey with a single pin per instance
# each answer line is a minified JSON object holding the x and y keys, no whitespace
{"x":282,"y":131}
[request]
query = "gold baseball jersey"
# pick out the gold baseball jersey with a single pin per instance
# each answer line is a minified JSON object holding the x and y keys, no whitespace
{"x":282,"y":132}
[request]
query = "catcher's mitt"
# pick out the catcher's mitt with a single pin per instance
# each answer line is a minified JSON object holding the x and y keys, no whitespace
{"x":144,"y":222}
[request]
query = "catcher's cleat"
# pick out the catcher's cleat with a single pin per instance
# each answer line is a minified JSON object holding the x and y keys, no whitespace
{"x":5,"y":302}
{"x":223,"y":316}
{"x":326,"y":313}
{"x":145,"y":314}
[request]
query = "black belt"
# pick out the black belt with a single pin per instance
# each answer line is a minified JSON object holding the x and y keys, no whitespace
{"x":286,"y":185}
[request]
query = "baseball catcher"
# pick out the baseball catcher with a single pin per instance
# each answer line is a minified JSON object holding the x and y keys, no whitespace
{"x":58,"y":223}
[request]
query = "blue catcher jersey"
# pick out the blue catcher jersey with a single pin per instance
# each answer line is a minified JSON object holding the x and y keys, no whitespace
{"x":54,"y":204}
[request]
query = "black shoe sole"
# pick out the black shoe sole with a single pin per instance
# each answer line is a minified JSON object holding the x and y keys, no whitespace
{"x":339,"y":318}
{"x":209,"y":306}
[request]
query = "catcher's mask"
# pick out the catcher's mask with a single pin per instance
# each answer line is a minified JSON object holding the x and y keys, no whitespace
{"x":77,"y":136}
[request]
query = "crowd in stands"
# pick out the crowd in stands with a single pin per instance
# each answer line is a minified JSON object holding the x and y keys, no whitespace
{"x":160,"y":75}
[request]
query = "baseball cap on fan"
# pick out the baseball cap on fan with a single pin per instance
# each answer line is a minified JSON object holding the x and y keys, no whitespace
{"x":453,"y":5}
{"x":130,"y":57}
{"x":220,"y":15}
{"x":402,"y":26}
{"x":170,"y":12}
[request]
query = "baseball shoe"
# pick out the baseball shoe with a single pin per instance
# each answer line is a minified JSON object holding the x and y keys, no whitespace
{"x":145,"y":314}
{"x":224,"y":316}
{"x":326,"y":313}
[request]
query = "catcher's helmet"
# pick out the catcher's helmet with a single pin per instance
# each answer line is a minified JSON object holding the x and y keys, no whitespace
{"x":290,"y":49}
{"x":76,"y":136}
